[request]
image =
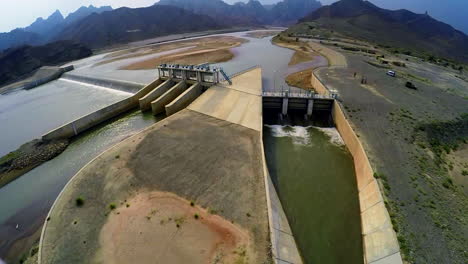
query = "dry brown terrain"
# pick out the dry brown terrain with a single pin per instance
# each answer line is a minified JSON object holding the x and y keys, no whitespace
{"x":303,"y":52}
{"x":215,"y":49}
{"x":214,"y":163}
{"x":300,"y":79}
{"x":215,"y":55}
{"x":262,"y":34}
{"x":192,"y":234}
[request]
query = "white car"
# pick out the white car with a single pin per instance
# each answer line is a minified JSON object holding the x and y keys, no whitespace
{"x":391,"y":73}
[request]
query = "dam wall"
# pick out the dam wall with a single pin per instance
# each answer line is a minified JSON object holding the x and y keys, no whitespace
{"x":87,"y":121}
{"x":82,"y":124}
{"x":43,"y":76}
{"x":380,"y":243}
{"x":185,"y":99}
{"x":145,"y":101}
{"x":158,"y":105}
{"x":107,"y":83}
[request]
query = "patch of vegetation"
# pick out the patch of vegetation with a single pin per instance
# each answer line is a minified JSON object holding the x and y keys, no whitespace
{"x":407,"y":75}
{"x":192,"y":203}
{"x":117,"y":157}
{"x":381,"y":66}
{"x":112,"y":206}
{"x":196,"y":216}
{"x":443,"y":137}
{"x":9,"y":157}
{"x":79,"y":201}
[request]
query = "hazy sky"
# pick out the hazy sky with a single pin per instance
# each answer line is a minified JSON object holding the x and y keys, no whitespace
{"x":21,"y":13}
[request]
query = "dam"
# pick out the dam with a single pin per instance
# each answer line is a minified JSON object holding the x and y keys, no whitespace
{"x":229,"y":120}
{"x":236,"y":111}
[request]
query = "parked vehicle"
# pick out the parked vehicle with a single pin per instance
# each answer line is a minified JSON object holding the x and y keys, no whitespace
{"x":391,"y":73}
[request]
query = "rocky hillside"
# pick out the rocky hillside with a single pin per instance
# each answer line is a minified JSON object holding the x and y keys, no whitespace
{"x":400,"y":29}
{"x":43,"y":30}
{"x":126,"y":24}
{"x":17,"y":62}
{"x":250,"y":13}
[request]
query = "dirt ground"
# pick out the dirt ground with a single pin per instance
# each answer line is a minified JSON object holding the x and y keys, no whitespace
{"x":193,"y":235}
{"x":187,"y":58}
{"x":459,"y":167}
{"x":303,"y":52}
{"x":214,"y":49}
{"x":428,"y":214}
{"x":300,"y":79}
{"x":214,"y":163}
{"x":262,"y":34}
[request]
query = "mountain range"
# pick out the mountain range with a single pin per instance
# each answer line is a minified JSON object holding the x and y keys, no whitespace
{"x":400,"y":28}
{"x":17,"y":62}
{"x":44,"y":30}
{"x":131,"y":24}
{"x":251,"y":13}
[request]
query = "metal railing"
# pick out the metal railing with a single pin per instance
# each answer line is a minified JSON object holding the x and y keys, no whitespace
{"x":296,"y":93}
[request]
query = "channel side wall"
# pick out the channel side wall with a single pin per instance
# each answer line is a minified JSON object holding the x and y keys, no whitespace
{"x":87,"y":121}
{"x":145,"y":101}
{"x":185,"y":99}
{"x":158,"y":105}
{"x":380,"y":243}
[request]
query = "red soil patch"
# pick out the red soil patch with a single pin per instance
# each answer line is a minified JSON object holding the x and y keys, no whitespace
{"x":158,"y":226}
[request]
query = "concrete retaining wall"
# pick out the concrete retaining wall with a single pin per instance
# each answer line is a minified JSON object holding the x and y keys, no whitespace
{"x":81,"y":124}
{"x":113,"y":84}
{"x":88,"y":121}
{"x":158,"y":105}
{"x":145,"y":101}
{"x":379,"y":239}
{"x":57,"y":72}
{"x":184,"y":100}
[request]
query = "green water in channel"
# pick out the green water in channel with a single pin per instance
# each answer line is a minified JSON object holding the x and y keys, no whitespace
{"x":316,"y":184}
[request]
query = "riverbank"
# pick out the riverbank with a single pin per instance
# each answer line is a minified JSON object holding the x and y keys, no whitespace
{"x":29,"y":156}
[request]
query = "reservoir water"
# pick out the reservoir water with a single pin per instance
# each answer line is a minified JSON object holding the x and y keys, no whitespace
{"x":314,"y":177}
{"x":28,"y":114}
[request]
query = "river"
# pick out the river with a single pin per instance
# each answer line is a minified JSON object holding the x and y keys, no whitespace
{"x":27,"y":200}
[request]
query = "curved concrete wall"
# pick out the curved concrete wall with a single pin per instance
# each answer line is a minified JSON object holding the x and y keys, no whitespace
{"x":379,"y":238}
{"x":87,"y":121}
{"x":113,"y":84}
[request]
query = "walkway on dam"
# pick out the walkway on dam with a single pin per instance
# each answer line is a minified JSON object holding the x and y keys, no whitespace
{"x":211,"y":154}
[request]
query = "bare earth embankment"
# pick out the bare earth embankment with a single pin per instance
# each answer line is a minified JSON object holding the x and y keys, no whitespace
{"x":189,"y":189}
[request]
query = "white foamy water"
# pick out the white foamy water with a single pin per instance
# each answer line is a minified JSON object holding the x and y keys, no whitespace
{"x":334,"y":135}
{"x":301,"y":136}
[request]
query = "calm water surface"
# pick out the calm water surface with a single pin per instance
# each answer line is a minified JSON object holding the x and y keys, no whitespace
{"x":316,"y":184}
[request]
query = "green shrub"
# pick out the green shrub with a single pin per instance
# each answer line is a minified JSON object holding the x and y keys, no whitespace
{"x":79,"y":201}
{"x":112,"y":206}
